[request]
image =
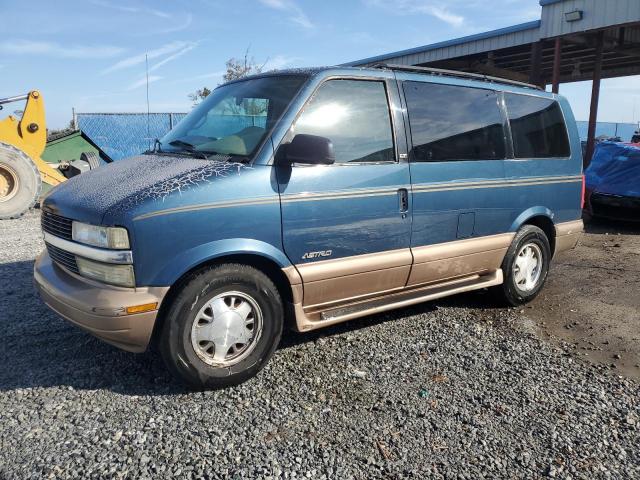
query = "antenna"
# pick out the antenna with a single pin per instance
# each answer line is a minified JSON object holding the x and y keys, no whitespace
{"x":146,"y":62}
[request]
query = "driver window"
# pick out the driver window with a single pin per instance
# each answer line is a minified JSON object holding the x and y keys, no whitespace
{"x":354,"y":115}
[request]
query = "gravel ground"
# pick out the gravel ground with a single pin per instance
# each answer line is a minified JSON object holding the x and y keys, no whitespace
{"x":445,"y":389}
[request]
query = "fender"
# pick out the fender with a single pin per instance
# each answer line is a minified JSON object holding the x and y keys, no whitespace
{"x":193,"y":257}
{"x":538,"y":211}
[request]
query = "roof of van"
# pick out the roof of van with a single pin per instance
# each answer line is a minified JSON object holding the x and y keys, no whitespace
{"x":467,"y":77}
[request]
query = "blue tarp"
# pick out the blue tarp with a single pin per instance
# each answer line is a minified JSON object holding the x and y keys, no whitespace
{"x":615,"y":169}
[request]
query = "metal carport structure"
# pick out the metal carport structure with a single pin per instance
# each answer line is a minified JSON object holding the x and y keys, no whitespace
{"x":574,"y":40}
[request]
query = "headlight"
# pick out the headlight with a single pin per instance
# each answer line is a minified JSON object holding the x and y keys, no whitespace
{"x":121,"y":275}
{"x":105,"y":237}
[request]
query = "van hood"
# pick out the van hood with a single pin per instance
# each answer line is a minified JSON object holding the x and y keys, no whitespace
{"x":109,"y":194}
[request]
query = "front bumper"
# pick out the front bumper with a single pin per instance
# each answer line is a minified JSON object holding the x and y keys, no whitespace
{"x":98,"y":308}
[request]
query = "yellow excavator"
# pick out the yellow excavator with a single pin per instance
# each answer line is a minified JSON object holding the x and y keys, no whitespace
{"x":22,"y":170}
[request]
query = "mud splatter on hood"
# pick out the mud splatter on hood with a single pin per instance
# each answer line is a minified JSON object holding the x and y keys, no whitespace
{"x":123,"y":185}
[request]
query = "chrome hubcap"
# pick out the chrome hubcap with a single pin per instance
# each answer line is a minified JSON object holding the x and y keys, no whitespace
{"x":226,"y":329}
{"x":528,"y":267}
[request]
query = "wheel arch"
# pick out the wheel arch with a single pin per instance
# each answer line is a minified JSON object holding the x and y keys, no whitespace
{"x":267,"y":265}
{"x":540,"y":217}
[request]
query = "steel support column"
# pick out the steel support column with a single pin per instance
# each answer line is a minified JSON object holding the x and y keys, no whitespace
{"x":535,"y":75}
{"x":595,"y":95}
{"x":557,"y":54}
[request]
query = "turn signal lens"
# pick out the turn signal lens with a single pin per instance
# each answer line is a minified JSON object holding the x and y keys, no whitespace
{"x":145,"y":307}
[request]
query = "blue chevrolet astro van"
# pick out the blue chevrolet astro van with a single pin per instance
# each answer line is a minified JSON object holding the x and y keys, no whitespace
{"x":311,"y":197}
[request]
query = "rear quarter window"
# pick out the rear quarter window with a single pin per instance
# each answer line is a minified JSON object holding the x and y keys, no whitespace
{"x":537,"y":127}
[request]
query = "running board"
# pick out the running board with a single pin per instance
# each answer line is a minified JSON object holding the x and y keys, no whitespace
{"x":310,"y":321}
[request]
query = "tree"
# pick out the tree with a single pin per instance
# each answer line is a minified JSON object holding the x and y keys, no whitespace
{"x":199,"y":95}
{"x":236,"y":68}
{"x":240,"y":68}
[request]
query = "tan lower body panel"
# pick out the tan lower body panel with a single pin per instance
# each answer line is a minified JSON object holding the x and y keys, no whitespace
{"x":307,"y":320}
{"x":434,"y":263}
{"x":334,"y":284}
{"x":330,"y":281}
{"x":98,"y":309}
{"x":568,"y":234}
{"x":349,"y":287}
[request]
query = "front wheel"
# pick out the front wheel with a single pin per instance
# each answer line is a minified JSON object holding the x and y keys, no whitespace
{"x":222,"y":327}
{"x":525,"y":266}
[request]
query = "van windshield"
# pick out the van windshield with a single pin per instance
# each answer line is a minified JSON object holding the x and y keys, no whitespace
{"x":235,"y":118}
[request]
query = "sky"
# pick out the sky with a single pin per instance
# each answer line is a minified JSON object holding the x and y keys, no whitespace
{"x":90,"y":54}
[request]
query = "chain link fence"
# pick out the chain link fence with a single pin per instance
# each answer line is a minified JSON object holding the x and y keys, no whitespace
{"x":121,"y":135}
{"x":610,"y":129}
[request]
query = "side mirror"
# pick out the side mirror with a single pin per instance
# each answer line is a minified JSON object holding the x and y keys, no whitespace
{"x":310,"y":150}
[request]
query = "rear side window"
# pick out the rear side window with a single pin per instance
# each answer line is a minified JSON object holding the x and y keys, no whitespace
{"x":451,"y":123}
{"x":537,"y":127}
{"x":354,"y":115}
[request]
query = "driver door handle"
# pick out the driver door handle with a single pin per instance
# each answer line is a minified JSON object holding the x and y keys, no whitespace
{"x":403,"y":201}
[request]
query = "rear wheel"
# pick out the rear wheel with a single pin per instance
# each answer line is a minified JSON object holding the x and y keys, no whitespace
{"x":222,"y":327}
{"x":20,"y":183}
{"x":525,"y":266}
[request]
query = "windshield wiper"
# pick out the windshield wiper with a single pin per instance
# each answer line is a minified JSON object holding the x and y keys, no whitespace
{"x":188,"y":147}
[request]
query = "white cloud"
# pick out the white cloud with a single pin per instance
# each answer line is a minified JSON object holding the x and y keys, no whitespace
{"x":173,"y":56}
{"x":52,"y":49}
{"x":442,"y":14}
{"x":435,"y":9}
{"x":295,"y":13}
{"x":170,"y":49}
{"x":178,"y":27}
{"x":143,"y":81}
{"x":130,"y":9}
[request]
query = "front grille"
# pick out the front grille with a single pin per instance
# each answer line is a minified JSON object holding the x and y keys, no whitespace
{"x":66,"y":259}
{"x":56,"y":225}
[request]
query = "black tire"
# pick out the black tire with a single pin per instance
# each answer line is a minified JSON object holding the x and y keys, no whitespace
{"x":175,"y":342}
{"x":510,"y":292}
{"x":91,"y":158}
{"x":20,"y":182}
